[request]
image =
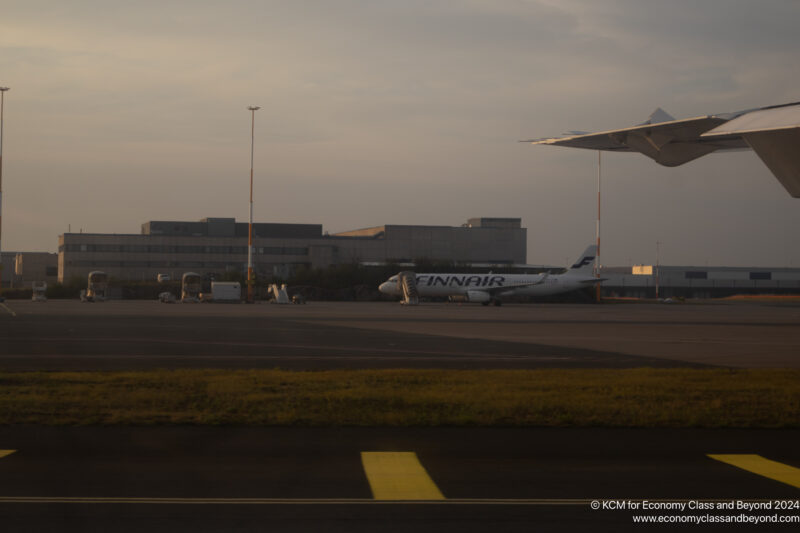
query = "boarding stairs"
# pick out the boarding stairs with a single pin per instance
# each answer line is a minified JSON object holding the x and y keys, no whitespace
{"x":279,"y":294}
{"x":407,"y":282}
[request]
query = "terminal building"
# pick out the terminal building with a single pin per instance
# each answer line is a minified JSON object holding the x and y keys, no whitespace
{"x":22,"y":269}
{"x":219,"y":245}
{"x":649,"y":281}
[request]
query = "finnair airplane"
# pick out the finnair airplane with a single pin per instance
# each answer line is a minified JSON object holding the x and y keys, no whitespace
{"x":772,"y":132}
{"x":492,"y":288}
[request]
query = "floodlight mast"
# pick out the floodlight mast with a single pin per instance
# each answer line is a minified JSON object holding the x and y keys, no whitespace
{"x":597,"y":254}
{"x":250,"y":278}
{"x":2,"y":98}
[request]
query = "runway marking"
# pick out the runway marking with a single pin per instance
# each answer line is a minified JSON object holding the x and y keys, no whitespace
{"x":12,"y":313}
{"x":398,"y":476}
{"x":763,"y":467}
{"x":3,"y":453}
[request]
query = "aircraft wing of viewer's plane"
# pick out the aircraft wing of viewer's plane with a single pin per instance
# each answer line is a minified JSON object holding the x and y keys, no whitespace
{"x":772,"y":132}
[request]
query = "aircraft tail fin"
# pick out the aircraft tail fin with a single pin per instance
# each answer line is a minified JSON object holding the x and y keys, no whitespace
{"x":585,"y":262}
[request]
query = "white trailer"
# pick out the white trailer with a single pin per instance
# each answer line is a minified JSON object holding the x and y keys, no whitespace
{"x":226,"y":291}
{"x":39,"y":291}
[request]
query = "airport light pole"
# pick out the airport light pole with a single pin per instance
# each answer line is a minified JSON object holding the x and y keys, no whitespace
{"x":250,"y":279}
{"x":597,"y":253}
{"x":2,"y":98}
{"x":658,"y":253}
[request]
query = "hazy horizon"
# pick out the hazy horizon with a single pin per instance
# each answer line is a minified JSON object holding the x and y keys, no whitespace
{"x":379,"y":112}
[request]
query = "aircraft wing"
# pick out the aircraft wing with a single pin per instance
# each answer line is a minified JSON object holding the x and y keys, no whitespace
{"x":772,"y":132}
{"x":494,"y":291}
{"x":774,"y":135}
{"x":670,"y":143}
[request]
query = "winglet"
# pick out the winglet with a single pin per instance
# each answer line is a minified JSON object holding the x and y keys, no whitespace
{"x":659,"y":115}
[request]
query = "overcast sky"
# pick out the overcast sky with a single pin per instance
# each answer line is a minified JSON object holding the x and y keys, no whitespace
{"x":394,"y":112}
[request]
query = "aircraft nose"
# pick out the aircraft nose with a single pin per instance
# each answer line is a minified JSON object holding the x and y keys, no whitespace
{"x":385,"y":287}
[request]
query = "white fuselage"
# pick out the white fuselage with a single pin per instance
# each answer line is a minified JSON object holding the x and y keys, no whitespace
{"x":440,"y":285}
{"x":488,"y":288}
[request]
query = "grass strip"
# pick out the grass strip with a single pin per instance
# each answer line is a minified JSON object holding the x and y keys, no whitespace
{"x":692,"y":398}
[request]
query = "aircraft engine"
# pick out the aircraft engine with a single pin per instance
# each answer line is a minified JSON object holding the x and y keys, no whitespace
{"x":478,"y":296}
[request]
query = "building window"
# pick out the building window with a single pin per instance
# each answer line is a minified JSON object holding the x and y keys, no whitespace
{"x":761,"y":275}
{"x":279,"y":250}
{"x":696,"y":274}
{"x":135,"y":248}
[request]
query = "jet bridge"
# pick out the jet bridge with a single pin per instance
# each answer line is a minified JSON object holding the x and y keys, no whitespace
{"x":407,"y":283}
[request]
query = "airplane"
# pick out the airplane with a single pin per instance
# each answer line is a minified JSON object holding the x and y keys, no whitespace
{"x":492,"y":288}
{"x":772,"y":132}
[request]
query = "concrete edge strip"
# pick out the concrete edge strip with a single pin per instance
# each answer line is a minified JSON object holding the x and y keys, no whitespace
{"x":535,"y":502}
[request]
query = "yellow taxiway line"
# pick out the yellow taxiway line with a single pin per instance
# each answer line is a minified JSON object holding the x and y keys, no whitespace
{"x":763,"y":467}
{"x":398,"y":476}
{"x":3,"y":453}
{"x":10,"y":312}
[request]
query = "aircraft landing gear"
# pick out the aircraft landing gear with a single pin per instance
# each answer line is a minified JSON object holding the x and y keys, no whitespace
{"x":498,"y":303}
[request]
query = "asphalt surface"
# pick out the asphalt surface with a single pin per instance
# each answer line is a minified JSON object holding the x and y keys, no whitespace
{"x":117,"y":335}
{"x":129,"y":335}
{"x":292,"y":479}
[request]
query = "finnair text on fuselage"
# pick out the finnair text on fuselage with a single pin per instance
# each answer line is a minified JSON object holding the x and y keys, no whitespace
{"x":460,"y":280}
